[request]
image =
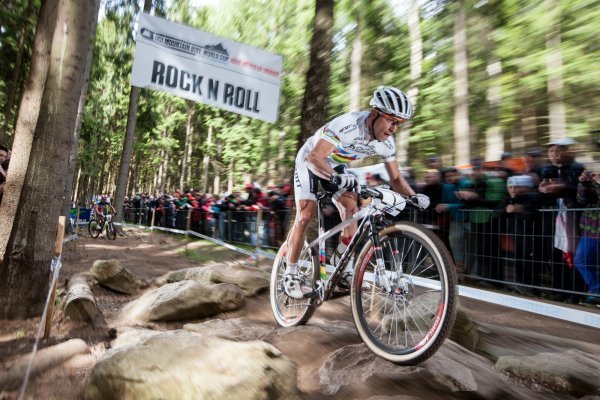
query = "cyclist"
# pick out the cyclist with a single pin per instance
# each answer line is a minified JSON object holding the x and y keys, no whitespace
{"x":103,"y":205}
{"x":324,"y":157}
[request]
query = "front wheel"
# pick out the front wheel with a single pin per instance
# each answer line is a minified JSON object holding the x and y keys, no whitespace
{"x":405,"y":308}
{"x":287,"y":310}
{"x":94,"y":227}
{"x":111,"y":232}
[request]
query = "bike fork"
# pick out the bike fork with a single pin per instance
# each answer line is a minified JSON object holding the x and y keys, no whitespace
{"x":380,"y":274}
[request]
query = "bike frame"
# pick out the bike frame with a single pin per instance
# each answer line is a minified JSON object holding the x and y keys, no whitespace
{"x":366,"y":225}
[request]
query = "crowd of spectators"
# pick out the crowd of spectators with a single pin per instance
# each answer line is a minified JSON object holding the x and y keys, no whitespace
{"x":228,"y":216}
{"x":537,"y":227}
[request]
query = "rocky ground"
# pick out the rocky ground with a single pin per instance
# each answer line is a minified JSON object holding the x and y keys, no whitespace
{"x":229,"y":341}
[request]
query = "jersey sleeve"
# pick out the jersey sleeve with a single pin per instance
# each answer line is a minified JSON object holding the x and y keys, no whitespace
{"x":333,"y":131}
{"x":389,"y":152}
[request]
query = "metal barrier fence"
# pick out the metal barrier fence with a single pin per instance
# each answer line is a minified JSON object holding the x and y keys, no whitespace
{"x":491,"y":249}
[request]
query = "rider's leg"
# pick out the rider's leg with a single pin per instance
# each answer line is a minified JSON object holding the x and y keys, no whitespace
{"x":304,"y":216}
{"x":347,"y":204}
{"x":292,"y":281}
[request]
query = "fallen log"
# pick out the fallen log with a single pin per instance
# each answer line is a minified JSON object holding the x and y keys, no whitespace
{"x":12,"y":374}
{"x":80,"y":304}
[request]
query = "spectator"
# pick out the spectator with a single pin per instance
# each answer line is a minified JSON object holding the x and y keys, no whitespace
{"x":483,"y":196}
{"x":505,"y":169}
{"x":451,"y":204}
{"x":587,"y":256}
{"x":433,"y":162}
{"x":559,"y":183}
{"x":433,"y":188}
{"x":518,"y":213}
{"x":533,"y":162}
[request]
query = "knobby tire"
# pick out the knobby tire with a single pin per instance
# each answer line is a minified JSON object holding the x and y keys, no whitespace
{"x":288,"y":311}
{"x":408,"y":324}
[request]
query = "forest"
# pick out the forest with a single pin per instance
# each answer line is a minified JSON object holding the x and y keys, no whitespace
{"x":484,"y":76}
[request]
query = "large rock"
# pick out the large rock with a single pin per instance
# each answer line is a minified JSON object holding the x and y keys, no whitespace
{"x":250,"y":279}
{"x":356,"y":363}
{"x":182,"y":365}
{"x":573,"y":371}
{"x":113,"y":275}
{"x":233,"y":329}
{"x":465,"y":330}
{"x":184,"y":300}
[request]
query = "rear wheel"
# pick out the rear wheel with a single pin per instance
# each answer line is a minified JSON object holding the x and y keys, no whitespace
{"x":405,"y":311}
{"x":94,"y":227}
{"x":111,"y":233}
{"x":287,"y":310}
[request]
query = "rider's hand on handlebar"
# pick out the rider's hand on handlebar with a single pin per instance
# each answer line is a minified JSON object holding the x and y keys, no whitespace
{"x":345,"y":181}
{"x":421,"y":200}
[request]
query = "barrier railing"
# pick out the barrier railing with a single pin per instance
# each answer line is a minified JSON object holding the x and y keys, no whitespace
{"x":491,"y":249}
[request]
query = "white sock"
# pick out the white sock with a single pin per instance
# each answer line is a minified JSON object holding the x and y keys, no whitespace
{"x":291,"y":268}
{"x":341,"y":248}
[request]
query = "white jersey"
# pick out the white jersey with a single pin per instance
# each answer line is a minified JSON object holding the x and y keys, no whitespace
{"x":352,"y":140}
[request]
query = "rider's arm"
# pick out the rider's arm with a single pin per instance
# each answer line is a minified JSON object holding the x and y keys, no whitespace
{"x":397,"y":181}
{"x":316,"y":159}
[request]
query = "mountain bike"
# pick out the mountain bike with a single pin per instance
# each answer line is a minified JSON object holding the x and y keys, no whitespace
{"x":403,"y":290}
{"x":98,"y":223}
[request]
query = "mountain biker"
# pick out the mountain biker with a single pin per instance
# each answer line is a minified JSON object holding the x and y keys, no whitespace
{"x":324,"y":157}
{"x":102,"y":205}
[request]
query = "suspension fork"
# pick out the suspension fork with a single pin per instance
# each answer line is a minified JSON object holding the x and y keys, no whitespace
{"x":380,"y":274}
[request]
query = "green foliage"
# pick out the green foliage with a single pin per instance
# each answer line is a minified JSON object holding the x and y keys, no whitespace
{"x":513,"y":32}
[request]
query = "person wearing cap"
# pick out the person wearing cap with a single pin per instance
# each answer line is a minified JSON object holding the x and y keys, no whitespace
{"x":559,"y":187}
{"x":518,"y":233}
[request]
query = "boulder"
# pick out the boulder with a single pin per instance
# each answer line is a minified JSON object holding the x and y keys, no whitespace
{"x":113,"y":275}
{"x":573,"y":372}
{"x":233,"y":329}
{"x":250,"y":279}
{"x":184,"y":300}
{"x":465,"y":330}
{"x":184,"y":365}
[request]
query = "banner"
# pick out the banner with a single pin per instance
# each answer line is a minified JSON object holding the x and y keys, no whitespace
{"x":205,"y":68}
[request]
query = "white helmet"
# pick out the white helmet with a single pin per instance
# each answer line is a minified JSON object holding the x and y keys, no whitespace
{"x":392,"y":101}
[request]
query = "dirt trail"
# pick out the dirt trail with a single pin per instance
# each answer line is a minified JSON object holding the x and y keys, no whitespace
{"x":151,"y":255}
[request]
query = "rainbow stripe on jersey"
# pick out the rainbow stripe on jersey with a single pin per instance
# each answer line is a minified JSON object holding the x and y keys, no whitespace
{"x":341,"y":156}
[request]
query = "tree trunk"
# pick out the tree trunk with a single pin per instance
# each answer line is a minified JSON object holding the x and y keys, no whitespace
{"x":25,"y":270}
{"x":230,"y":170}
{"x":26,"y":123}
{"x":134,"y":95}
{"x":11,"y":93}
{"x":187,"y":150}
{"x":556,"y":107}
{"x":217,"y":169}
{"x":355,"y":67}
{"x":206,"y":161}
{"x":316,"y":93}
{"x":416,"y":58}
{"x":75,"y":138}
{"x":462,"y":150}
